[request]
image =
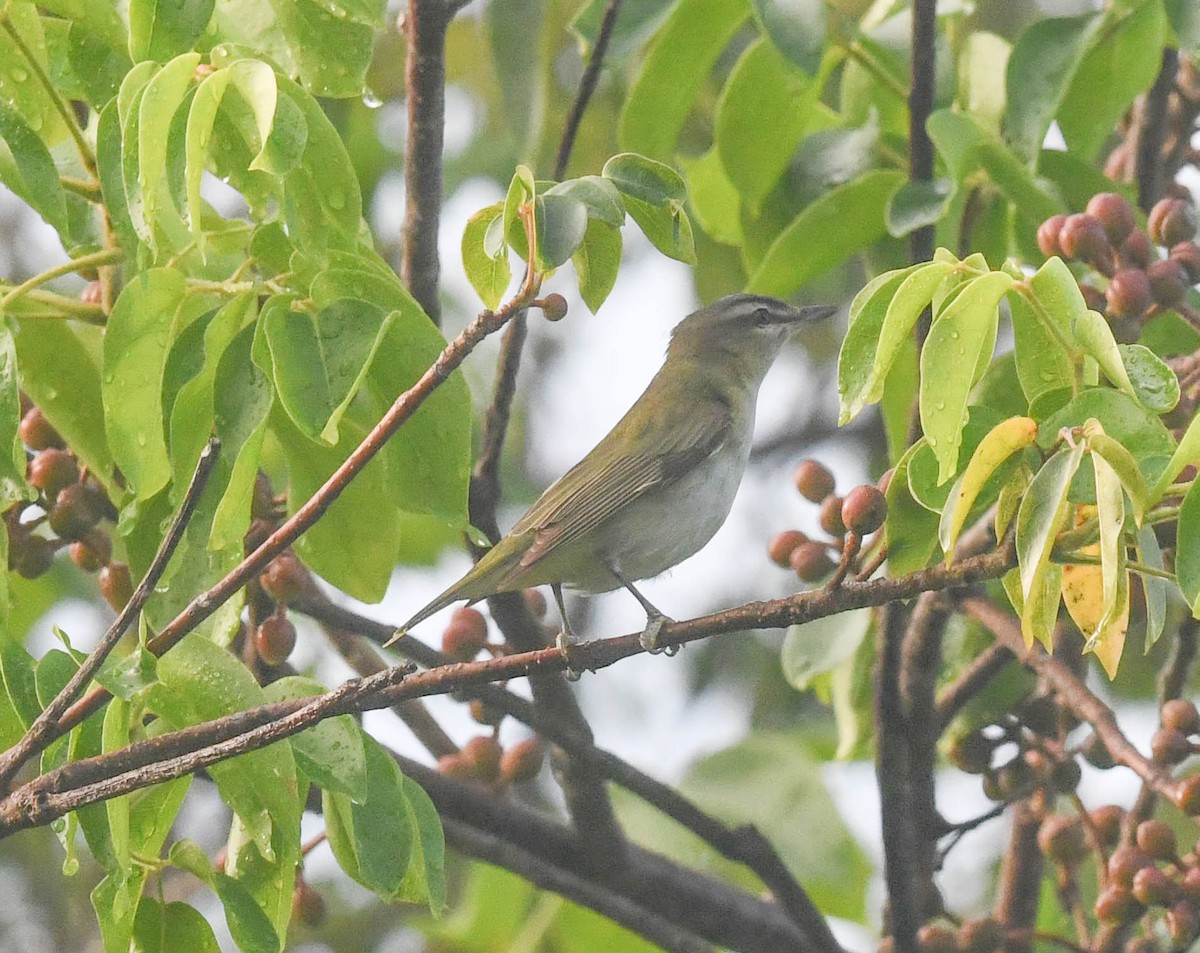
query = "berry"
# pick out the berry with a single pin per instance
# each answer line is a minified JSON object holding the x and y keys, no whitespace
{"x":1115,"y":213}
{"x":864,"y":510}
{"x":814,"y":480}
{"x":830,"y":516}
{"x":1136,"y":251}
{"x":1188,"y":256}
{"x":1154,"y":888}
{"x":1096,"y":753}
{"x":52,"y":470}
{"x":1171,"y":221}
{"x":1061,"y":838}
{"x":275,"y":639}
{"x":1015,"y":777}
{"x":1107,"y":819}
{"x":1039,"y":713}
{"x":1125,"y":329}
{"x":308,"y":906}
{"x":554,"y":307}
{"x":1169,"y":746}
{"x":811,"y":562}
{"x":1157,"y":839}
{"x":522,"y":761}
{"x":536,"y":603}
{"x":1047,"y":235}
{"x":1117,"y":905}
{"x":485,"y":714}
{"x":972,"y":752}
{"x":1066,"y":775}
{"x":1129,"y":293}
{"x":981,"y":935}
{"x":262,"y":502}
{"x":1094,"y":298}
{"x":1125,"y":862}
{"x":1181,"y":714}
{"x":1191,"y":884}
{"x":1083,"y":237}
{"x":1168,"y":281}
{"x":31,"y":556}
{"x":36,"y":431}
{"x":74,"y":512}
{"x":991,"y":785}
{"x":482,"y":754}
{"x":284,"y":578}
{"x":1183,"y":924}
{"x":116,"y":585}
{"x":782,"y":546}
{"x":93,"y":551}
{"x":935,"y":938}
{"x":465,"y":635}
{"x":1187,"y":796}
{"x":455,"y":766}
{"x":885,"y":481}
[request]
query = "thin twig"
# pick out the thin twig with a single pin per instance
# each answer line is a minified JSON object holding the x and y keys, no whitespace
{"x":43,"y":729}
{"x":106,"y":256}
{"x":1150,"y":130}
{"x":587,"y":86}
{"x":920,"y":106}
{"x":973,"y":679}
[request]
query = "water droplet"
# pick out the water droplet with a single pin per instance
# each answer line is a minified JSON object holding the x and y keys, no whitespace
{"x":19,"y":74}
{"x":941,"y":405}
{"x":141,"y":439}
{"x":371,"y":100}
{"x":337,"y":11}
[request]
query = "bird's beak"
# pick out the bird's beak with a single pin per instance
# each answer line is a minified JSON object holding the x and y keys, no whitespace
{"x":811,"y":312}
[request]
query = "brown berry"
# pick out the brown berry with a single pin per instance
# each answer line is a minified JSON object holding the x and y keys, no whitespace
{"x":1094,"y":298}
{"x":465,"y":635}
{"x":864,"y":510}
{"x":284,"y":578}
{"x":455,"y":766}
{"x":483,"y":753}
{"x":935,"y":938}
{"x":485,"y":714}
{"x":1047,"y":235}
{"x":1116,"y":905}
{"x":1183,"y":924}
{"x":1169,"y":746}
{"x":535,"y":602}
{"x":1141,"y":944}
{"x":885,"y":481}
{"x":1187,"y":796}
{"x":981,"y":935}
{"x":308,"y":906}
{"x":1039,"y":713}
{"x":1181,"y":714}
{"x":1061,"y":838}
{"x":116,"y":585}
{"x":554,"y":307}
{"x":1136,"y":251}
{"x":1168,"y":281}
{"x":1015,"y":778}
{"x":1095,"y":752}
{"x":1187,"y":254}
{"x":1114,"y":213}
{"x":522,"y":761}
{"x":1106,"y":819}
{"x":972,"y":752}
{"x":1171,"y":221}
{"x":275,"y":639}
{"x":1082,"y":237}
{"x":1065,"y":775}
{"x":73,"y":513}
{"x":262,"y":501}
{"x":991,"y":785}
{"x":31,"y":556}
{"x":1156,"y":839}
{"x":1191,"y":884}
{"x":93,"y":551}
{"x":830,"y":516}
{"x":814,"y":480}
{"x":1129,"y":293}
{"x":36,"y":431}
{"x":1126,"y":329}
{"x":1125,"y":862}
{"x":811,"y":562}
{"x":52,"y":469}
{"x":782,"y":546}
{"x":1154,"y":888}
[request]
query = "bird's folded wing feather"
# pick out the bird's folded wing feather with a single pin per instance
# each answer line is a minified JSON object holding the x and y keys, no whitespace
{"x":588,"y":495}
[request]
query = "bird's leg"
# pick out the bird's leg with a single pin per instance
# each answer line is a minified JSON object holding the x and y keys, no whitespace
{"x":655,"y":619}
{"x":566,"y":637}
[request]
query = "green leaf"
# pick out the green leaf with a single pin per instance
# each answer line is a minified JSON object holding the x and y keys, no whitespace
{"x":597,"y":262}
{"x":766,"y":108}
{"x":1122,"y":463}
{"x":489,"y":274}
{"x":425,"y":881}
{"x":97,"y":16}
{"x":27,"y":168}
{"x":331,"y":752}
{"x":19,"y":86}
{"x":654,"y":194}
{"x":796,"y":27}
{"x":99,"y":64}
{"x":1187,"y":453}
{"x":1155,"y":587}
{"x":1187,"y":548}
{"x":160,"y":30}
{"x":678,"y":61}
{"x":562,"y":222}
{"x":1043,"y":64}
{"x":162,"y":97}
{"x":162,"y":928}
{"x":1042,"y":362}
{"x":1154,"y":383}
{"x":598,"y":194}
{"x":715,"y":202}
{"x":823,"y":235}
{"x":917,"y":204}
{"x":1043,"y":514}
{"x":1121,"y":64}
{"x":1185,"y":22}
{"x":111,"y":174}
{"x":856,"y":359}
{"x":251,"y":928}
{"x":140,"y":329}
{"x":373,"y":839}
{"x":1040,"y":611}
{"x":911,"y":529}
{"x":1002,"y":441}
{"x":1094,"y":336}
{"x":321,"y":360}
{"x":1110,"y":511}
{"x":820,"y":646}
{"x":958,"y":340}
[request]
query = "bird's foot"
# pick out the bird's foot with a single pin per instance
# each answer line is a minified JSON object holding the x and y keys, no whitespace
{"x":651,"y":637}
{"x":565,"y":642}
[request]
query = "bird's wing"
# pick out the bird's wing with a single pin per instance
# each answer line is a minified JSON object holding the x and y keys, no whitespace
{"x":586,"y":495}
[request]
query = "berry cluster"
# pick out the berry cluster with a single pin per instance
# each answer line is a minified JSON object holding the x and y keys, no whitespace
{"x":1139,"y":283}
{"x":848,"y":520}
{"x":67,"y":514}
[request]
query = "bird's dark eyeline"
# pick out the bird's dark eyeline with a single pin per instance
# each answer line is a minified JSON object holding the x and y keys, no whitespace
{"x":657,"y":487}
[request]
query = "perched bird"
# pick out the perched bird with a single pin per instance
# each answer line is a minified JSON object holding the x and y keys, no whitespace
{"x":661,"y":483}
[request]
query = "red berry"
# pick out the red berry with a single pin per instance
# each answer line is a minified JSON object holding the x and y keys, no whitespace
{"x":1188,"y":256}
{"x":93,"y":551}
{"x":972,"y":752}
{"x":116,"y":585}
{"x":31,"y":556}
{"x":74,"y":512}
{"x":36,"y":431}
{"x":522,"y":761}
{"x":1129,"y":293}
{"x":1114,"y":213}
{"x":1183,"y":924}
{"x":536,"y":603}
{"x":1171,"y":221}
{"x":1083,"y":237}
{"x":1181,"y":714}
{"x":1187,"y":796}
{"x":830,"y":516}
{"x":814,"y":480}
{"x":1047,"y":235}
{"x":465,"y":635}
{"x":1117,"y":905}
{"x":52,"y":469}
{"x":485,"y":714}
{"x":1136,"y":251}
{"x":284,"y":578}
{"x":1154,"y":888}
{"x":455,"y":766}
{"x":554,"y":307}
{"x":275,"y":639}
{"x":1125,"y":862}
{"x":782,"y":546}
{"x":885,"y":481}
{"x":864,"y":510}
{"x":308,"y":906}
{"x":1107,"y":819}
{"x":1157,"y":839}
{"x":1169,"y":746}
{"x":483,"y":753}
{"x":1168,"y":281}
{"x":1061,"y":838}
{"x":811,"y":562}
{"x":1094,"y":298}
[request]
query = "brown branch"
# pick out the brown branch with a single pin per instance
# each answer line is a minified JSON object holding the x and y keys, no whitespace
{"x":43,"y":730}
{"x":1071,"y":691}
{"x":1021,"y":870}
{"x":587,"y":86}
{"x":425,"y":85}
{"x":1150,"y":130}
{"x":973,"y":679}
{"x":920,"y":106}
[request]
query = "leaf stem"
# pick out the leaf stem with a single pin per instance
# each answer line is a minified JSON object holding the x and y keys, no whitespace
{"x":107,"y":256}
{"x":60,"y":307}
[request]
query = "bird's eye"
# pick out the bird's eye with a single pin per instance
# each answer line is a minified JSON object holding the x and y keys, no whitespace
{"x":762,"y":317}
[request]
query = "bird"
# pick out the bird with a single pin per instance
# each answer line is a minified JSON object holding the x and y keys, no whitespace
{"x":660,"y":484}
